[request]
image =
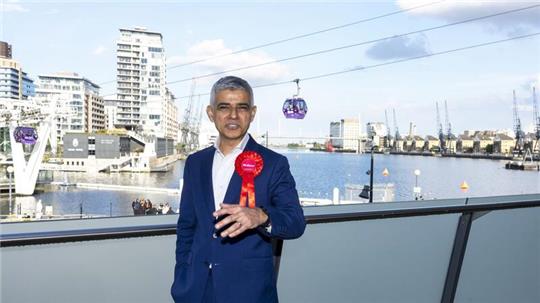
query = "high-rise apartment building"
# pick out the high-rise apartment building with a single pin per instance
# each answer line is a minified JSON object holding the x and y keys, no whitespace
{"x":335,"y":132}
{"x":79,"y":108}
{"x":14,"y":82}
{"x":350,"y":131}
{"x":171,"y":115}
{"x":111,"y":112}
{"x":143,"y":101}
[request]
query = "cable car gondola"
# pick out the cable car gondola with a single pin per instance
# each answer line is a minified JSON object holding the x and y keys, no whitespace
{"x":25,"y":135}
{"x":295,"y":107}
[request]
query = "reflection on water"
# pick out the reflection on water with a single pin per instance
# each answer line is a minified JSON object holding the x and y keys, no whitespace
{"x":316,"y":175}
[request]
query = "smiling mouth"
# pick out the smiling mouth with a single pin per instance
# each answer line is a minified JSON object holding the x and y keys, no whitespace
{"x":232,"y":126}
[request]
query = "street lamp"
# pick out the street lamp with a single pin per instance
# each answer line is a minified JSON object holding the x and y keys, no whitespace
{"x":371,"y":173}
{"x":10,"y":172}
{"x":367,"y":191}
{"x":417,"y":190}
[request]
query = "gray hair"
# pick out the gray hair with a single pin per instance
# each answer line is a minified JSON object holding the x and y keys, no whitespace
{"x":232,"y":83}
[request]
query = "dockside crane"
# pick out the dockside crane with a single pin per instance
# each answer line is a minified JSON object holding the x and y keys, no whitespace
{"x":195,"y":126}
{"x":519,"y":134}
{"x":536,"y":121}
{"x":450,"y":137}
{"x":185,"y":140}
{"x":397,"y":136}
{"x":440,"y":131}
{"x":388,"y":137}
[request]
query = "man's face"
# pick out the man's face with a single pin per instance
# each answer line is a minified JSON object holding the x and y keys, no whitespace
{"x":232,"y":114}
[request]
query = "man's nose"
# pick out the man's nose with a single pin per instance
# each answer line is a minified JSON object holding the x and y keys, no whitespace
{"x":234,"y":112}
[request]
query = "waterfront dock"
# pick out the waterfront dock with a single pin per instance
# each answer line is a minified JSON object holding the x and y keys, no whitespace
{"x":100,"y":186}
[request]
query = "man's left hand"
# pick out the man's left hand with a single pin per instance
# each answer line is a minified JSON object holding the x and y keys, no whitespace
{"x":244,"y":218}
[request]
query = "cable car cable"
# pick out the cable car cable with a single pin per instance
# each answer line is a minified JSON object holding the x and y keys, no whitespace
{"x":390,"y":62}
{"x":352,"y":45}
{"x":297,"y":37}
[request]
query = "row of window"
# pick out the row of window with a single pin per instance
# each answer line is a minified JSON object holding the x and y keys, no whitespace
{"x":59,"y":87}
{"x":57,"y":80}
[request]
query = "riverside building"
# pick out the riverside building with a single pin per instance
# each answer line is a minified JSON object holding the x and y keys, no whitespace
{"x":14,"y":82}
{"x":143,"y":102}
{"x":79,"y":106}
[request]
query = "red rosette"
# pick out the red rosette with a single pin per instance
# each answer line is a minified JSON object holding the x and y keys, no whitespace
{"x":249,"y":165}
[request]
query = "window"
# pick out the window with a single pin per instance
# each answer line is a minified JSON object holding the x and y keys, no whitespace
{"x":91,"y":141}
{"x":155,"y":67}
{"x":155,"y":49}
{"x":154,"y":92}
{"x":91,"y":153}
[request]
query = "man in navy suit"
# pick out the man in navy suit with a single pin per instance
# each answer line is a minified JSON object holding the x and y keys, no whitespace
{"x":234,"y":264}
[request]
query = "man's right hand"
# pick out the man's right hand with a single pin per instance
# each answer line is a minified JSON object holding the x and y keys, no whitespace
{"x":244,"y":218}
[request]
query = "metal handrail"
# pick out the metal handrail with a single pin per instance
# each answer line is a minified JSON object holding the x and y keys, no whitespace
{"x":50,"y":237}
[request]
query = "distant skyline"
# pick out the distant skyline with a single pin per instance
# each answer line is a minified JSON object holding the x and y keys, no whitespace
{"x":80,"y":36}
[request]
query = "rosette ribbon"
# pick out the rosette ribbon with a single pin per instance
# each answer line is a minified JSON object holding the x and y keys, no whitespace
{"x":249,"y":165}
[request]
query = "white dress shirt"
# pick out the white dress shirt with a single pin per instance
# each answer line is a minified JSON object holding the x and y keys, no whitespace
{"x":223,"y":169}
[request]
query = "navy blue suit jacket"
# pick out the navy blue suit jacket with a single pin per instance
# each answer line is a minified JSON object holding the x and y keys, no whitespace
{"x":242,"y":267}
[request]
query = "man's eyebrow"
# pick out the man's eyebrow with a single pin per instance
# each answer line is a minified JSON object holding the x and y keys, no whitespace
{"x":229,"y":103}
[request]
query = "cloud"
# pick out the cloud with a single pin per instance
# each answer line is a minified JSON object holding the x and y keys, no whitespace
{"x":12,"y":6}
{"x":211,"y":48}
{"x":456,"y":10}
{"x":99,"y":50}
{"x":397,"y":48}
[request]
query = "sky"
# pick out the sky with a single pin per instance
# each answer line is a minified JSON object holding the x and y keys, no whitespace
{"x":477,"y":83}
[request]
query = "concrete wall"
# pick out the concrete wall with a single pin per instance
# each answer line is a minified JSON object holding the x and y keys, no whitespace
{"x":107,"y":146}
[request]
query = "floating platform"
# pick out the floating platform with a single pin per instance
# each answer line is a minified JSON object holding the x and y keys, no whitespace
{"x":520,"y":165}
{"x":100,"y":186}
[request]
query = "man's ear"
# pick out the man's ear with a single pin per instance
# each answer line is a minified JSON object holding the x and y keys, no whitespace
{"x":253,"y":112}
{"x":210,"y":113}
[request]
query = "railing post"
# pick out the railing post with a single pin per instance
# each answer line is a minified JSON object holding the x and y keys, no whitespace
{"x":456,"y":259}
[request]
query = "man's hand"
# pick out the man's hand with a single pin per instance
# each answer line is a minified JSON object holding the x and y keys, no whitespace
{"x":244,"y":218}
